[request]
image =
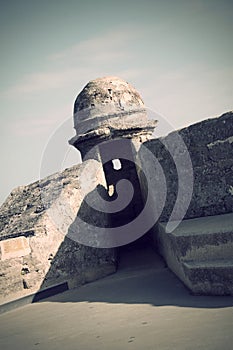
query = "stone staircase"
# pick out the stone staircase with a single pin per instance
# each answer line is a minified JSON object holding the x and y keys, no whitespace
{"x":200,"y":252}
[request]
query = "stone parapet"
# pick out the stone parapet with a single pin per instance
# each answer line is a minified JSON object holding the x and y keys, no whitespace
{"x":36,"y":251}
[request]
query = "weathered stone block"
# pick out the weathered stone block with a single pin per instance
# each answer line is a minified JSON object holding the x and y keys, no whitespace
{"x":210,"y":147}
{"x":14,"y":248}
{"x":199,"y":252}
{"x":46,"y":257}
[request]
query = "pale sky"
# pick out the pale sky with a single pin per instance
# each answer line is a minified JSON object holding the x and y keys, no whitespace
{"x":178,"y":54}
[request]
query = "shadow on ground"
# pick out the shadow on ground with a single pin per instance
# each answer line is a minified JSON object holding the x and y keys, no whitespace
{"x":142,"y":278}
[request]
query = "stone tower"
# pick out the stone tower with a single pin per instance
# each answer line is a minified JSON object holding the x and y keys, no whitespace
{"x":111,"y":122}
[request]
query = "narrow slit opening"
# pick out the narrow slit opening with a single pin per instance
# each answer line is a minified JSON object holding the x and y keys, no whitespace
{"x":116,"y":164}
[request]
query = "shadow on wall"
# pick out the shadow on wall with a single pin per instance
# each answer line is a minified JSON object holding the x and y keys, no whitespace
{"x":212,"y":163}
{"x":209,"y":145}
{"x":80,"y":257}
{"x":146,"y":280}
{"x":74,"y":263}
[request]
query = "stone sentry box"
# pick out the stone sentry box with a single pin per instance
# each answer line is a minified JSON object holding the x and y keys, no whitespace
{"x":35,"y":220}
{"x":106,"y":109}
{"x":111,"y":124}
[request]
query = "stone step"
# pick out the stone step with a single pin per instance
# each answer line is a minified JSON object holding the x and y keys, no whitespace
{"x":202,"y":239}
{"x":213,"y":277}
{"x":200,"y":252}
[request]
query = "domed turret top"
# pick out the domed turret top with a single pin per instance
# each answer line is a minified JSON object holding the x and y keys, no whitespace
{"x":109,"y":107}
{"x":105,"y":97}
{"x":107,"y":94}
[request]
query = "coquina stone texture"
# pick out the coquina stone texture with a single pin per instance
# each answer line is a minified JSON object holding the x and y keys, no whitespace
{"x":38,"y":223}
{"x":197,"y":165}
{"x":36,"y":252}
{"x":209,"y":144}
